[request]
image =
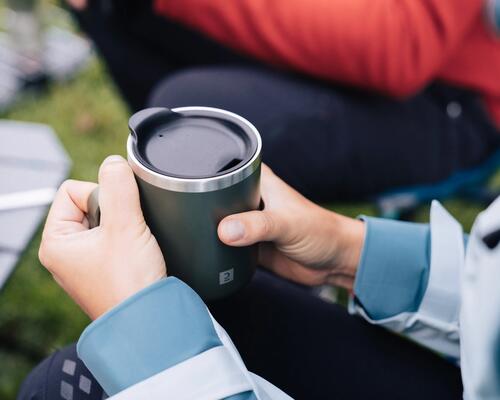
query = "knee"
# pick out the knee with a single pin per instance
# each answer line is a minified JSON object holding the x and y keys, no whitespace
{"x":217,"y":87}
{"x":191,"y":87}
{"x":62,"y":375}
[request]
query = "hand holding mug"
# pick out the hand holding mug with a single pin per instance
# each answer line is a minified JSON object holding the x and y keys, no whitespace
{"x":101,"y":267}
{"x":303,"y":241}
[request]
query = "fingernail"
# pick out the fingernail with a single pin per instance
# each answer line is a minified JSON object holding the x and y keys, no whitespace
{"x":113,"y":158}
{"x":232,"y":230}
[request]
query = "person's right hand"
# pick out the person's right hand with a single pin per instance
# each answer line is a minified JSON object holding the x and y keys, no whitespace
{"x":101,"y":267}
{"x":303,"y":241}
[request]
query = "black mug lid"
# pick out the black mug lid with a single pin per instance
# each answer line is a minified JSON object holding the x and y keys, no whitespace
{"x":189,"y":146}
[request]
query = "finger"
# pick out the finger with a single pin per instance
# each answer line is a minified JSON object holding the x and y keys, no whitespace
{"x":277,"y":194}
{"x":268,"y":225}
{"x":118,"y":194}
{"x":67,"y":213}
{"x":283,"y":266}
{"x":78,"y":4}
{"x":248,"y":228}
{"x":269,"y":183}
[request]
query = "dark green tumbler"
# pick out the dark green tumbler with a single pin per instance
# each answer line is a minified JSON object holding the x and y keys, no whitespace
{"x":194,"y":166}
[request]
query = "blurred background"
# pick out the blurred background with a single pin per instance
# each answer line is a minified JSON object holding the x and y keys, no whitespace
{"x":83,"y":108}
{"x":91,"y":122}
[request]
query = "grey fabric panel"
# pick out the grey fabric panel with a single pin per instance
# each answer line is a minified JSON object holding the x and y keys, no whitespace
{"x":17,"y":178}
{"x":18,"y":226}
{"x":31,"y":157}
{"x":33,"y":144}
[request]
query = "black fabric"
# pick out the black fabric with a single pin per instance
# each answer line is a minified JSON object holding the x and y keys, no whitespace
{"x":315,"y":350}
{"x":140,"y":48}
{"x":492,"y":239}
{"x":328,"y":142}
{"x":62,"y":376}
{"x":309,"y":348}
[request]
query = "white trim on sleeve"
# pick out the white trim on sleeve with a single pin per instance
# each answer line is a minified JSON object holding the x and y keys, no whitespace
{"x":262,"y":389}
{"x":440,"y":306}
{"x":436,"y":323}
{"x":215,"y":374}
{"x":211,"y":375}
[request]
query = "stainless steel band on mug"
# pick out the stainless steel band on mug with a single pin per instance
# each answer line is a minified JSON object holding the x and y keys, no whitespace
{"x":202,"y":184}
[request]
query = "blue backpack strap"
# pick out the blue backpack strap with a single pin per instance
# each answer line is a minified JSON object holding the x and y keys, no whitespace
{"x":470,"y":184}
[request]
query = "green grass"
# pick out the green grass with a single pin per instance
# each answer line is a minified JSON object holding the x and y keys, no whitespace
{"x":36,"y":317}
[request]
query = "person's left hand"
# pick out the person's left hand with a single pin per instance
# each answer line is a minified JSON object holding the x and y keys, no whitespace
{"x":101,"y":267}
{"x":300,"y":240}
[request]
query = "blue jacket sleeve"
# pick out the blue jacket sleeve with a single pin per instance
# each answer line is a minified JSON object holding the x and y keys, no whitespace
{"x":157,"y":328}
{"x":394,"y":267}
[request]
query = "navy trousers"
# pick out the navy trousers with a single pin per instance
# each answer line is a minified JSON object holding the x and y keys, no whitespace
{"x":311,"y":349}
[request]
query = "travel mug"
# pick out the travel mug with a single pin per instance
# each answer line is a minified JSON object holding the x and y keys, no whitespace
{"x":194,"y":166}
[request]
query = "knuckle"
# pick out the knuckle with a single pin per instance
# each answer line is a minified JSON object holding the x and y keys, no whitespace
{"x":114,"y":169}
{"x":47,"y":251}
{"x":44,"y":254}
{"x":66,"y":184}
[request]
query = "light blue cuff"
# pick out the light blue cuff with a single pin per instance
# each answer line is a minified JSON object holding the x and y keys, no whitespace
{"x":394,"y":268}
{"x":157,"y":328}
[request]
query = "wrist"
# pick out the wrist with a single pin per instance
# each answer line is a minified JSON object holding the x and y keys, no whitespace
{"x":118,"y":293}
{"x":348,"y":240}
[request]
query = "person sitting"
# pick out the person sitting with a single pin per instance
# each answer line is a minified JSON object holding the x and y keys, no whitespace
{"x":152,"y":337}
{"x":352,"y":98}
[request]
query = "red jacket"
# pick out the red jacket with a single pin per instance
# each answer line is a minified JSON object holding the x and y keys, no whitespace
{"x":392,"y":46}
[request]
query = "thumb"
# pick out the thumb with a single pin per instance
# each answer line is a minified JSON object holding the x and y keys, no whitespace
{"x":250,"y":227}
{"x":118,"y":194}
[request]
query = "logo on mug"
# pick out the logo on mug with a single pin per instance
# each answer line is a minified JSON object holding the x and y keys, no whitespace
{"x":226,"y":276}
